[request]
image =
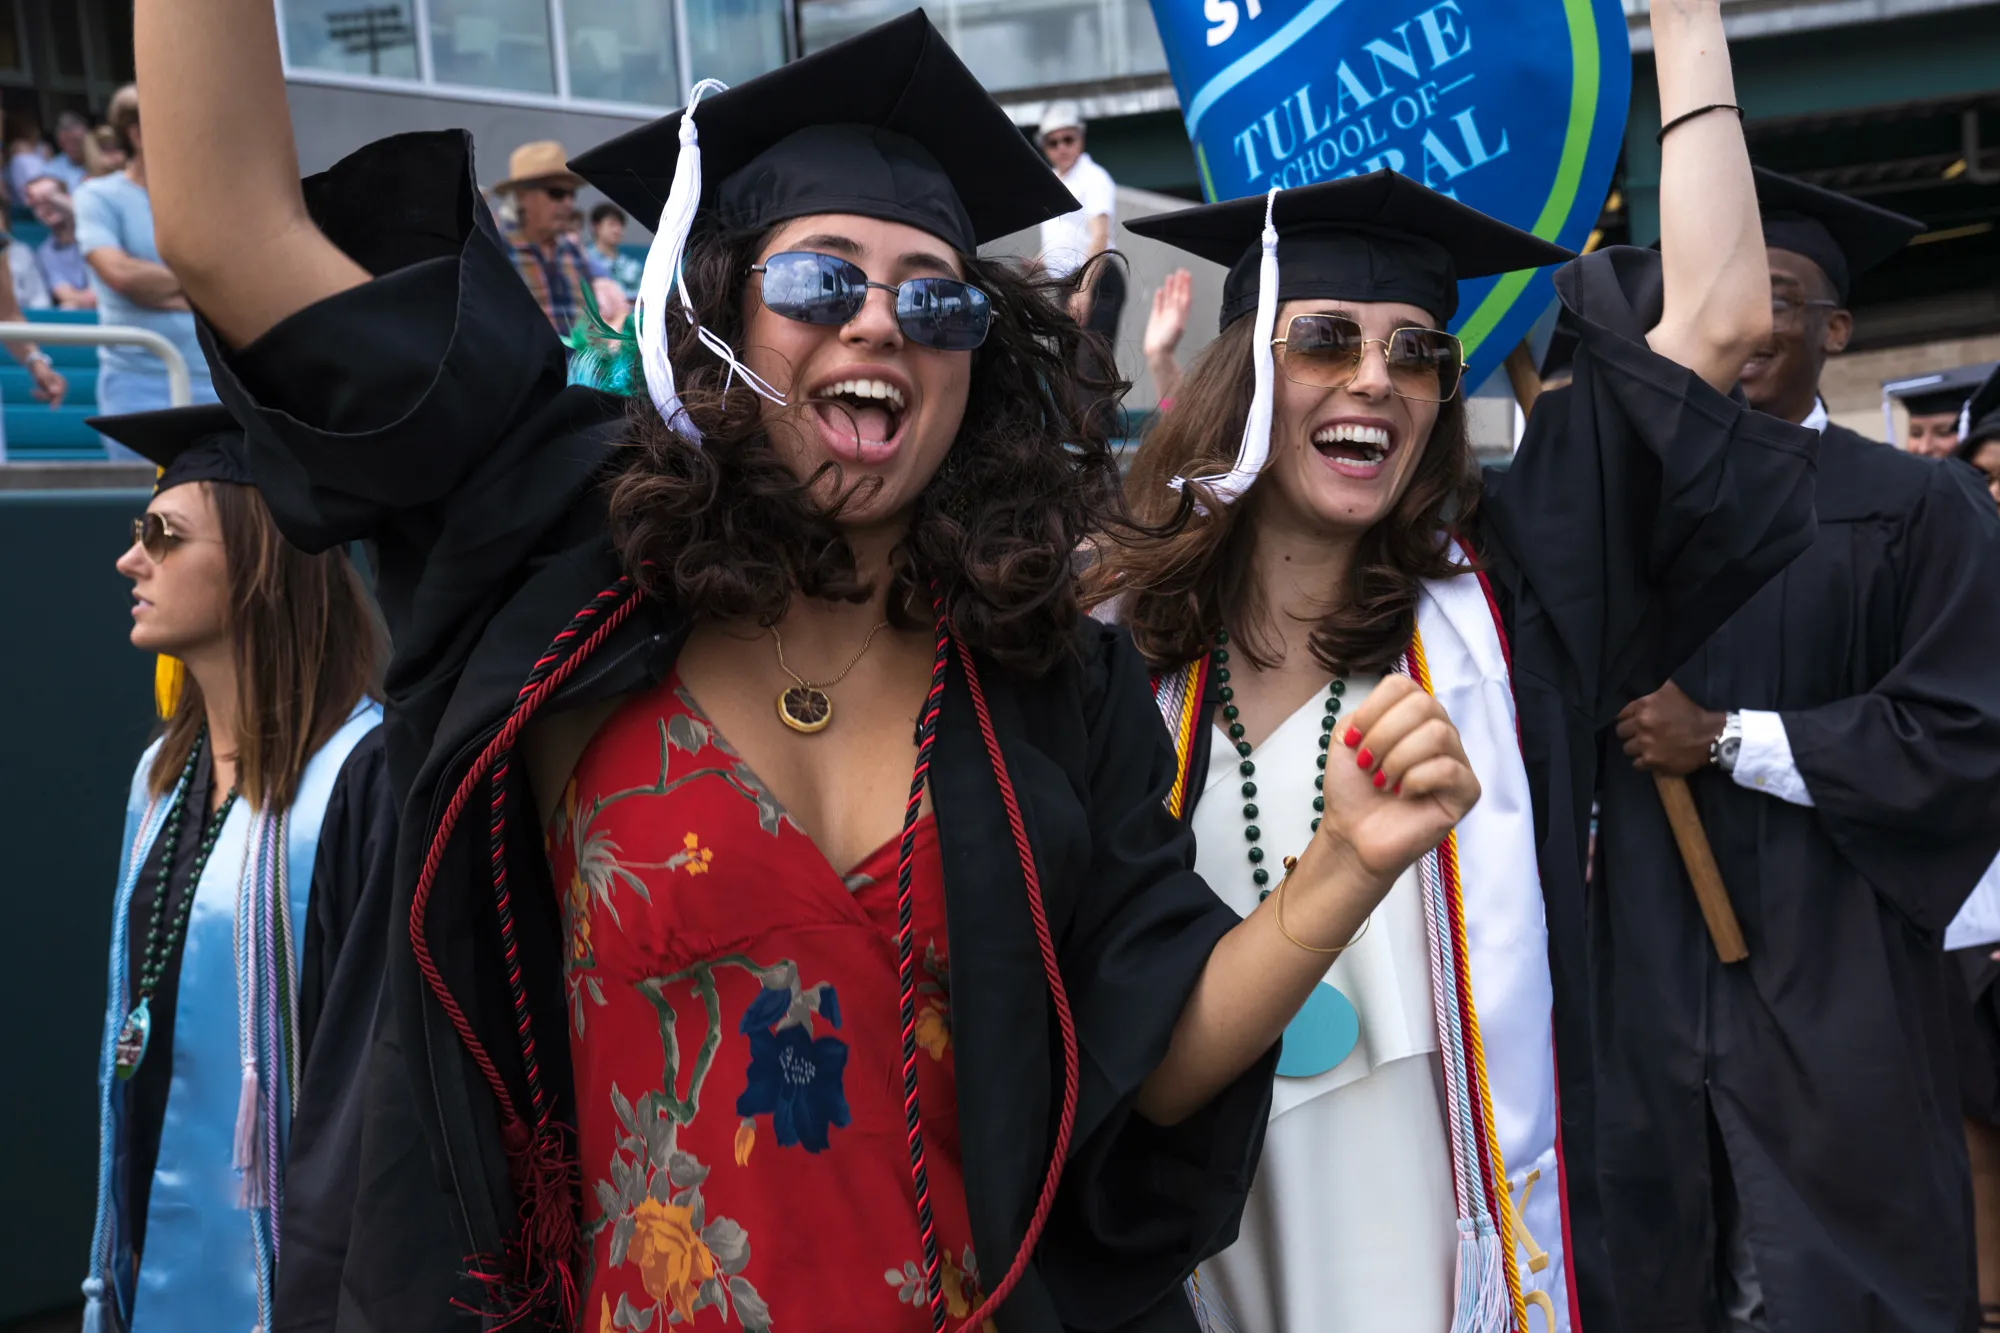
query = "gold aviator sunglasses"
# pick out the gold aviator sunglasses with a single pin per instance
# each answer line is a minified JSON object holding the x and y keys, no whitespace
{"x":1325,"y":352}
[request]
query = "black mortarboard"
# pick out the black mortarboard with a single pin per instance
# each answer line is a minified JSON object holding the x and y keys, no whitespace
{"x":1936,"y":402}
{"x":201,"y":443}
{"x":1379,"y":237}
{"x":889,"y":124}
{"x":1982,"y":415}
{"x":1838,"y":232}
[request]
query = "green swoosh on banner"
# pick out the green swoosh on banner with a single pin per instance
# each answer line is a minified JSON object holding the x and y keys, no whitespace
{"x":1569,"y":172}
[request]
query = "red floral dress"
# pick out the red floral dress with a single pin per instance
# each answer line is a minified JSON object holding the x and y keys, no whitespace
{"x":738,"y":1054}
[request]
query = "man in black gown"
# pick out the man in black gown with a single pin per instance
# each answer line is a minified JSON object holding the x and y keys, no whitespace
{"x":1780,"y":1144}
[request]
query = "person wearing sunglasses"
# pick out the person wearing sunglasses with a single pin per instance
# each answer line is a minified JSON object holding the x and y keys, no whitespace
{"x":546,"y":251}
{"x":1431,"y":1148}
{"x":251,"y":925}
{"x":1072,"y":243}
{"x":790,"y":929}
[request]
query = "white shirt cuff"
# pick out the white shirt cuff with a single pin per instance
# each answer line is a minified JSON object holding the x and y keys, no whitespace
{"x":1764,"y":763}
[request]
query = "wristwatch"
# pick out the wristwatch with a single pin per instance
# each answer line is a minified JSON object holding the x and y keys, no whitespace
{"x":37,"y":358}
{"x":1722,"y":751}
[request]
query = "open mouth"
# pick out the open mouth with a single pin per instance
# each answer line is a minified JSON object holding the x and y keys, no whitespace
{"x":861,"y":419}
{"x":1354,"y":449}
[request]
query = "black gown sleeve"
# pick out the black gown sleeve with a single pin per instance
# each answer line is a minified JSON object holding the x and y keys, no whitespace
{"x":1643,"y":507}
{"x":1141,"y":1205}
{"x":1906,"y":776}
{"x":340,"y":979}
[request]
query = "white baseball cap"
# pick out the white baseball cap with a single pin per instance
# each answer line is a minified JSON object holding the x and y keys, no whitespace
{"x":1059,"y":116}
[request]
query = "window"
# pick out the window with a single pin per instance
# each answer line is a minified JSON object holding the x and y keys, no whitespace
{"x":620,"y":51}
{"x":493,"y":44}
{"x":352,"y":36}
{"x":1010,"y":44}
{"x":733,"y":40}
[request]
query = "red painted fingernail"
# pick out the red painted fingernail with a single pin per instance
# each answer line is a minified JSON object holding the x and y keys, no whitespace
{"x":1379,"y":779}
{"x":1365,"y":759}
{"x":1352,"y":738}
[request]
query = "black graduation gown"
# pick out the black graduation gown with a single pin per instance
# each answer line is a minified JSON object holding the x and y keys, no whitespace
{"x":1824,"y":1059}
{"x":427,"y":412}
{"x":1641,"y":510}
{"x":340,"y":972}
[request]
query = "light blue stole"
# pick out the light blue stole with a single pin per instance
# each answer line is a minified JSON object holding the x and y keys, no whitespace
{"x":209,"y":1259}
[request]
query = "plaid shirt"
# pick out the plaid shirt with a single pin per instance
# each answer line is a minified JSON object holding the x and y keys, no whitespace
{"x":558,"y":283}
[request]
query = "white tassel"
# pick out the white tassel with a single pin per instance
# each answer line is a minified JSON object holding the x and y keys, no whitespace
{"x":664,"y":275}
{"x":243,"y":1150}
{"x":1255,"y":448}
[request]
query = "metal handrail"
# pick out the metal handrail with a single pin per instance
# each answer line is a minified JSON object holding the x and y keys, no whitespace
{"x":180,"y":389}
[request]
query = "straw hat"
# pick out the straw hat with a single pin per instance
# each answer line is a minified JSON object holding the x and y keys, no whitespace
{"x":540,"y":163}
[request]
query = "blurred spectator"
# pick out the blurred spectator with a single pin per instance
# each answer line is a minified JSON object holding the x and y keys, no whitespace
{"x":50,"y":386}
{"x":102,"y":153}
{"x":27,"y":155}
{"x":543,"y":190}
{"x":1934,"y":421}
{"x":607,"y":234}
{"x":1072,"y":241}
{"x":70,"y":163}
{"x":30,"y":288}
{"x":62,"y":266}
{"x":1164,"y":328}
{"x":114,"y":230}
{"x":1981,"y":446}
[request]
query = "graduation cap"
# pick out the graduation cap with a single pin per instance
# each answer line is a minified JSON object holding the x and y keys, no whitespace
{"x":888,"y":125}
{"x":1378,"y":237}
{"x":1981,"y":421}
{"x":201,"y":443}
{"x":1838,"y":232}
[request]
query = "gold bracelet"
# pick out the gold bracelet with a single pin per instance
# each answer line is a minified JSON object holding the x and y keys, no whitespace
{"x":1278,"y":915}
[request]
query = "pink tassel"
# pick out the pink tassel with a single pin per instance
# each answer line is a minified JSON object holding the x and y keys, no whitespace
{"x":243,"y":1153}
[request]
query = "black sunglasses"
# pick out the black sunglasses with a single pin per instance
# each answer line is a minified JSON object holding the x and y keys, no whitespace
{"x":941,"y":313}
{"x":1325,"y":352}
{"x":559,"y":193}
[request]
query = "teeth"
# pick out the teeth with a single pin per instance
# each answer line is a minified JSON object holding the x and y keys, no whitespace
{"x":881,"y":389}
{"x":1351,"y":433}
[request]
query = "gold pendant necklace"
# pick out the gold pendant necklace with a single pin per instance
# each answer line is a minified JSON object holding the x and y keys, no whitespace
{"x":805,"y":706}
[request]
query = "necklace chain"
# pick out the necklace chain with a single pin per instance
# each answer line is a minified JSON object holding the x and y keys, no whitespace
{"x":1247,"y":767}
{"x":852,"y":662}
{"x":159,"y":943}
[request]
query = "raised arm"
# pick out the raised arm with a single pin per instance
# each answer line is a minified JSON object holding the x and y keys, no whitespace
{"x":217,"y":128}
{"x":1718,"y":286}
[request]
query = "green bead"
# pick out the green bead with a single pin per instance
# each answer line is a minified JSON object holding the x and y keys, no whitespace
{"x":1333,"y":708}
{"x":1227,"y":692}
{"x":1246,"y":768}
{"x":1326,"y":723}
{"x":1315,"y":826}
{"x":1262,"y":894}
{"x":1243,"y":748}
{"x":1321,"y":761}
{"x":1249,"y":789}
{"x":1222,"y":675}
{"x":1260,"y":876}
{"x":1324,"y":739}
{"x":1229,"y":711}
{"x":1319,"y":802}
{"x":1256,"y":855}
{"x":1252,"y":832}
{"x":1221,"y":656}
{"x":1339,"y":685}
{"x":1319,"y":783}
{"x":1235,"y":731}
{"x":1221,"y":637}
{"x":1249,"y":811}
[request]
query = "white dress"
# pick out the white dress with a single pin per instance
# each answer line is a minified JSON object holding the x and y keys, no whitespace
{"x":1351,"y":1224}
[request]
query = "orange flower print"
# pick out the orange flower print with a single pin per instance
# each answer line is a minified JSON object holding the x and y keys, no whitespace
{"x":746,"y":1139}
{"x":579,"y":938}
{"x":604,"y":1315}
{"x":934,"y":1030}
{"x":695,"y":860}
{"x":673,"y":1261}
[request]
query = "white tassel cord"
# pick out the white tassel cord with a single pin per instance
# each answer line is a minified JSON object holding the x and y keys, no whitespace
{"x":664,"y":275}
{"x":1255,"y":448}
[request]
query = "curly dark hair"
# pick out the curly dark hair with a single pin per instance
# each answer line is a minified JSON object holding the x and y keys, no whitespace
{"x":725,"y":529}
{"x":1176,"y":590}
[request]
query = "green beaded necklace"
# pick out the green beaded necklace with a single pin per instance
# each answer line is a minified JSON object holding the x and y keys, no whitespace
{"x":1247,"y":767}
{"x":138,"y":1029}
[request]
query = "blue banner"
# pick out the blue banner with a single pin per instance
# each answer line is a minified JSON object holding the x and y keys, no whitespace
{"x":1516,"y":107}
